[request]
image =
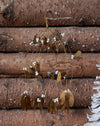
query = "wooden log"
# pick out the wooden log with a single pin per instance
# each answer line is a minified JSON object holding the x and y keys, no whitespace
{"x":36,"y":118}
{"x":11,"y":90}
{"x":58,"y":13}
{"x":73,"y":39}
{"x":85,"y":66}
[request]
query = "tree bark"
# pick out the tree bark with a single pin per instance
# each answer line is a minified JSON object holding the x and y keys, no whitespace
{"x":75,"y":38}
{"x":58,"y":13}
{"x":36,"y":118}
{"x":84,"y":66}
{"x":11,"y":90}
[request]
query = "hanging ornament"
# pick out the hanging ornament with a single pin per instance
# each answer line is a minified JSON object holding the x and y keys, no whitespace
{"x":25,"y":100}
{"x":53,"y":105}
{"x":39,"y":102}
{"x":66,"y":99}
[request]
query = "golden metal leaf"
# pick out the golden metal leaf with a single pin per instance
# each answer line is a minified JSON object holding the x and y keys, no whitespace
{"x":39,"y":104}
{"x":53,"y":106}
{"x":77,"y":54}
{"x":37,"y":67}
{"x":35,"y":104}
{"x":25,"y":101}
{"x":66,"y":99}
{"x":59,"y":77}
{"x":47,"y":26}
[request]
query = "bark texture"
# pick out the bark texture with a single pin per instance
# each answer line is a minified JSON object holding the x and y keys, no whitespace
{"x":75,"y":38}
{"x":11,"y":90}
{"x":58,"y":12}
{"x":84,"y":66}
{"x":24,"y":118}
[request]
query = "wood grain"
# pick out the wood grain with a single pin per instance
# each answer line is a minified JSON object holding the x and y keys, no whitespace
{"x":58,"y":12}
{"x":85,"y":66}
{"x":12,"y":88}
{"x":75,"y":38}
{"x":23,"y":118}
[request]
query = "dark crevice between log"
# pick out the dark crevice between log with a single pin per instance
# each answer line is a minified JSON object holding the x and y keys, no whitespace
{"x":45,"y":109}
{"x":3,"y":45}
{"x":33,"y":77}
{"x":66,"y":26}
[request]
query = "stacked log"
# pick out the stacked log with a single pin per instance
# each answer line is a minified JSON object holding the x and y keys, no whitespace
{"x":58,"y":13}
{"x":21,"y":118}
{"x":54,"y":49}
{"x":12,"y":89}
{"x":85,"y":66}
{"x":75,"y":38}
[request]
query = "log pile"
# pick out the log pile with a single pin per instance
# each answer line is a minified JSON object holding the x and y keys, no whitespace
{"x":35,"y":32}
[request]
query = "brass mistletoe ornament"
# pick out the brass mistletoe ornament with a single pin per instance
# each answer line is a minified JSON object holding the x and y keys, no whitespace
{"x":53,"y":105}
{"x":39,"y":102}
{"x":25,"y":100}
